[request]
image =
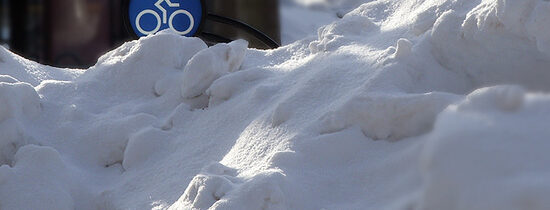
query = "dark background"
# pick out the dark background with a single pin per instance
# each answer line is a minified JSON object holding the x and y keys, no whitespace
{"x":74,"y":33}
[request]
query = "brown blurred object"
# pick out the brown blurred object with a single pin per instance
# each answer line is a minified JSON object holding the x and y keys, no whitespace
{"x":82,"y":30}
{"x":260,"y":14}
{"x":65,"y":33}
{"x":76,"y":36}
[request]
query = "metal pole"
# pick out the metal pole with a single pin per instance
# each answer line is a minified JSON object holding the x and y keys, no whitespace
{"x":18,"y":26}
{"x":3,"y":17}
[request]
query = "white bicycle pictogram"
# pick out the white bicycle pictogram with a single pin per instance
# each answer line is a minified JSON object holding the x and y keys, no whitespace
{"x":164,"y":18}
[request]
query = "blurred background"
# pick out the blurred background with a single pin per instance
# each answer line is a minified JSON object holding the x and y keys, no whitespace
{"x":74,"y":33}
{"x":66,"y":33}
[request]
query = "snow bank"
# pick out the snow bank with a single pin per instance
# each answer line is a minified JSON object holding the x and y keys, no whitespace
{"x":208,"y":65}
{"x":489,"y":162}
{"x":38,"y":179}
{"x":494,"y":35}
{"x":31,"y":72}
{"x":218,"y":188}
{"x":453,"y":90}
{"x":19,"y":103}
{"x":389,"y":117}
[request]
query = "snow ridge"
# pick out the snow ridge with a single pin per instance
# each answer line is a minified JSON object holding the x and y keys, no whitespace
{"x":431,"y":104}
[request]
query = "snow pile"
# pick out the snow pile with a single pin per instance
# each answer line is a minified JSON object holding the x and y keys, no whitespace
{"x":497,"y":161}
{"x":20,"y":103}
{"x":518,"y":51}
{"x":38,"y":179}
{"x":31,"y":72}
{"x":433,"y":104}
{"x":205,"y":68}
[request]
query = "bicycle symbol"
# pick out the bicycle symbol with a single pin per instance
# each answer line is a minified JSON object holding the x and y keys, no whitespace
{"x":165,"y":19}
{"x":194,"y":15}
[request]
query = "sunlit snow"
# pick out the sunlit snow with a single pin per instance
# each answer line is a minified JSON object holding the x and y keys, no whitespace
{"x":399,"y":104}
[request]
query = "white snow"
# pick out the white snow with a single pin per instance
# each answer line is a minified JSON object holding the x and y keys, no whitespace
{"x":20,"y":103}
{"x":207,"y":66}
{"x":409,"y":104}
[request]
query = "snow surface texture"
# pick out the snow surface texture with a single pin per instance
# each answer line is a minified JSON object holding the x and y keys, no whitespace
{"x":411,"y":104}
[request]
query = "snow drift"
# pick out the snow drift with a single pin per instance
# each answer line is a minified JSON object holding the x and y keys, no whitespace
{"x":433,"y":104}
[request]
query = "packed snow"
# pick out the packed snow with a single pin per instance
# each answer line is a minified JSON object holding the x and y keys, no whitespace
{"x":407,"y":105}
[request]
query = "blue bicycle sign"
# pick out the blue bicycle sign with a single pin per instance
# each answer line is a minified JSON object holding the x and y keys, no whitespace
{"x":150,"y":16}
{"x":185,"y":17}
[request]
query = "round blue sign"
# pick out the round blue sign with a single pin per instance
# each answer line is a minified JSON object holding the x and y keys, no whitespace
{"x":150,"y":16}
